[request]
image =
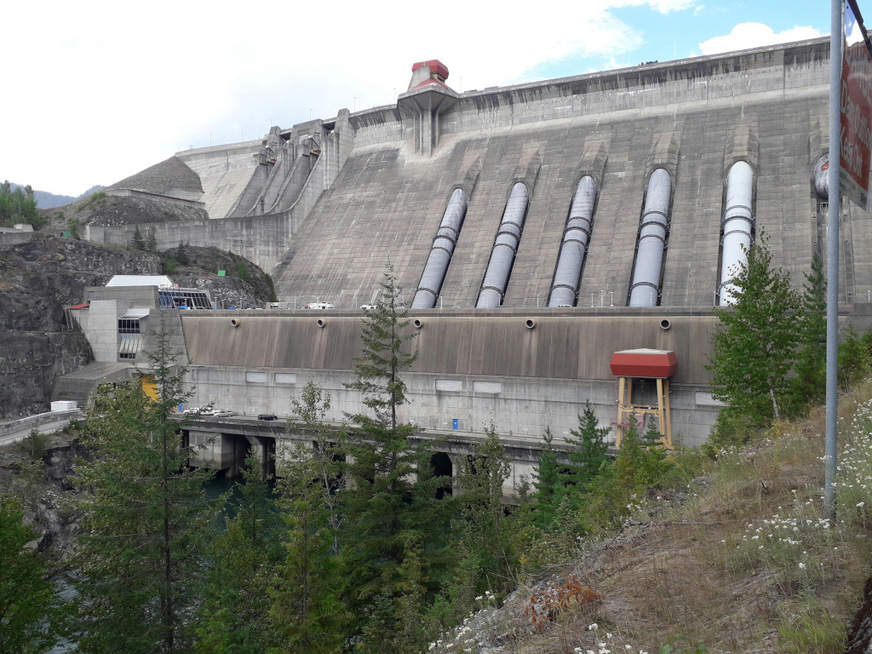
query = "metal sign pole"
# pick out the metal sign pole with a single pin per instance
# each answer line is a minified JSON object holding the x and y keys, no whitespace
{"x":836,"y":30}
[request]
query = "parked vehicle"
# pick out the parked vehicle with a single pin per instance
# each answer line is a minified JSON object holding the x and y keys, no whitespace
{"x":204,"y":410}
{"x":222,"y":413}
{"x":267,"y":416}
{"x":319,"y":305}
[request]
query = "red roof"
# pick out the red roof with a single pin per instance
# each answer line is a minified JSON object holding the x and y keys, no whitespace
{"x":436,"y":68}
{"x":657,"y":364}
{"x":86,"y":305}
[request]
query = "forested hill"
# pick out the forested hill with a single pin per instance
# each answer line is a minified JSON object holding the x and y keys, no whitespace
{"x":46,"y":200}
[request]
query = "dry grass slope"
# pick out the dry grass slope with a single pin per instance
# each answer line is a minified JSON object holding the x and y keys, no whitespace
{"x":744,"y":562}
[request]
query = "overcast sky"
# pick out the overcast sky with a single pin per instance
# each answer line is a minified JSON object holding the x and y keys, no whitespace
{"x":97,"y":91}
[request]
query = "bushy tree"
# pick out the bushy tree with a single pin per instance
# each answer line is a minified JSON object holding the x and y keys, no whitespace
{"x":144,"y":519}
{"x":854,"y":357}
{"x":243,"y":272}
{"x":630,"y":463}
{"x":182,"y":254}
{"x":753,"y":347}
{"x":18,"y":206}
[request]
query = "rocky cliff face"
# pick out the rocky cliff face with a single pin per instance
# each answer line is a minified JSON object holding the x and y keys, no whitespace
{"x":39,"y":279}
{"x":42,"y":277}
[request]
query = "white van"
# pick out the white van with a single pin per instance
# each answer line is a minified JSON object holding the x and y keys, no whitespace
{"x":319,"y":305}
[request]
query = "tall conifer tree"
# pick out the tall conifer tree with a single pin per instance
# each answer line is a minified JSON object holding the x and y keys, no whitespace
{"x":144,"y":521}
{"x":306,"y":605}
{"x":811,"y":356}
{"x":753,"y":348}
{"x":234,"y":615}
{"x":589,"y":450}
{"x":392,"y":529}
{"x":25,"y":596}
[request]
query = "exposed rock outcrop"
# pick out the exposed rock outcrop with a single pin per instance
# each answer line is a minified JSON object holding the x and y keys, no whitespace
{"x":43,"y":276}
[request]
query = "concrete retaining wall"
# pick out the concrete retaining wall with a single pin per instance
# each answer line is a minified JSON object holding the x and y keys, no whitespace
{"x":473,"y":367}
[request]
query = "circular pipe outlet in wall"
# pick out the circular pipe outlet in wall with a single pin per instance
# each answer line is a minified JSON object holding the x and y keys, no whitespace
{"x":234,"y":322}
{"x":529,"y":323}
{"x":321,"y":322}
{"x":665,"y":324}
{"x":417,"y":322}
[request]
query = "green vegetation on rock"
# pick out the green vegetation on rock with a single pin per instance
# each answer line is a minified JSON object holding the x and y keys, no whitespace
{"x":18,"y":206}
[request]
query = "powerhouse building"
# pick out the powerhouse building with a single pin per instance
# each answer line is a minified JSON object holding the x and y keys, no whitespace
{"x":537,"y":230}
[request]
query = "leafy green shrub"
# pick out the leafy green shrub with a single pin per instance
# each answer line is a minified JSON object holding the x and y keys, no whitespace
{"x":35,"y":444}
{"x":94,"y":200}
{"x":732,"y":428}
{"x":242,"y":272}
{"x":855,"y":359}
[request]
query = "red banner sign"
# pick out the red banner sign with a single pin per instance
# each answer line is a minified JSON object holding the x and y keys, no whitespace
{"x":856,"y":112}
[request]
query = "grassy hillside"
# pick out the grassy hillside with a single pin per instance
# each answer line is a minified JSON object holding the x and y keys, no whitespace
{"x":740,"y":560}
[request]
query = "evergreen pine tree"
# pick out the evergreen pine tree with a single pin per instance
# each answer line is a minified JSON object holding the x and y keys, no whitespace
{"x":151,"y":245}
{"x":753,"y":347}
{"x":810,"y":381}
{"x":588,"y":452}
{"x":144,"y":519}
{"x":305,"y":594}
{"x":547,"y":482}
{"x":25,"y":595}
{"x":391,"y":511}
{"x":234,"y":615}
{"x":138,"y":242}
{"x":652,"y":435}
{"x":384,"y":334}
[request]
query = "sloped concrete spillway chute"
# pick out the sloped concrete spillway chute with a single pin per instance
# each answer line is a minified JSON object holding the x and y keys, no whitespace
{"x":645,"y":290}
{"x":737,"y":225}
{"x":576,"y":236}
{"x":441,"y":252}
{"x":496,"y":278}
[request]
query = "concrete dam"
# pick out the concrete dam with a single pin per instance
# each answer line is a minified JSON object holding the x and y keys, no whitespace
{"x":537,"y":230}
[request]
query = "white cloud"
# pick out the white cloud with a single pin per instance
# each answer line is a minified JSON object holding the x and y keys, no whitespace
{"x":104,"y":89}
{"x":661,"y":6}
{"x":752,"y":35}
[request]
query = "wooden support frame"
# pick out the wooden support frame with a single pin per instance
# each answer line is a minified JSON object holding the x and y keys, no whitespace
{"x":662,"y":411}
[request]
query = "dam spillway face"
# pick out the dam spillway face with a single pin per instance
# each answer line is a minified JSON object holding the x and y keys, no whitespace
{"x":644,"y":154}
{"x":551,"y":223}
{"x":729,"y":143}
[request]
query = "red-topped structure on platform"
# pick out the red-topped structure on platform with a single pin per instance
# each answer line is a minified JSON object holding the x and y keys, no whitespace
{"x":653,"y":364}
{"x":644,"y":363}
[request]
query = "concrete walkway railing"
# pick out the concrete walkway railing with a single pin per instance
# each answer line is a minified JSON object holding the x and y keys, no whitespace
{"x":16,"y":430}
